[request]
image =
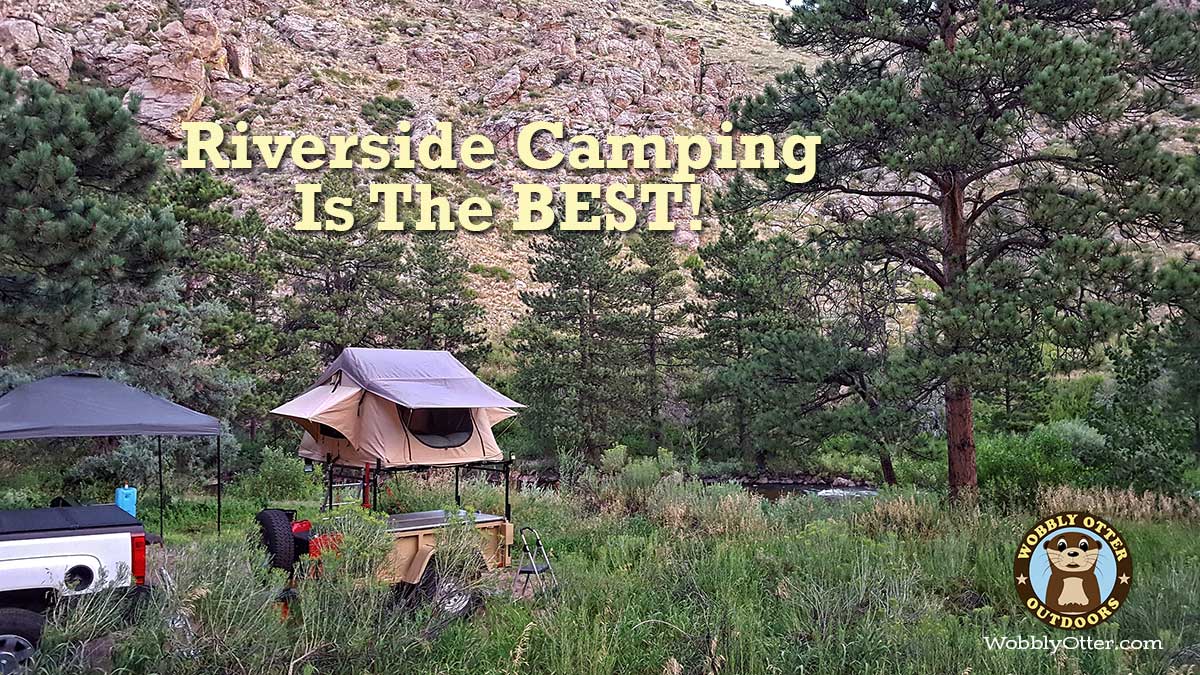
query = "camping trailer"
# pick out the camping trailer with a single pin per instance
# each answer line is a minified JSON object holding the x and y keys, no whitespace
{"x":386,"y":410}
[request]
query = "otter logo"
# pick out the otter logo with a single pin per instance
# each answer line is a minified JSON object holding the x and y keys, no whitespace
{"x":1073,"y":570}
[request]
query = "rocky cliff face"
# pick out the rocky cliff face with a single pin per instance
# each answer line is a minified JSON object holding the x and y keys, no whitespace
{"x":615,"y":66}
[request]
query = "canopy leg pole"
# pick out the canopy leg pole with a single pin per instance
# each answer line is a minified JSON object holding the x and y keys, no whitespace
{"x":457,"y":494}
{"x":507,"y":503}
{"x":161,"y":490}
{"x":328,"y":482}
{"x":219,"y":484}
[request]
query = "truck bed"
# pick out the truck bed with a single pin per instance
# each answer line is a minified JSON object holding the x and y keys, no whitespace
{"x":425,"y":520}
{"x":66,"y":521}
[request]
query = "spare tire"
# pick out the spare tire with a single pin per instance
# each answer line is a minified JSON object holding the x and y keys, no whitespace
{"x":276,"y":530}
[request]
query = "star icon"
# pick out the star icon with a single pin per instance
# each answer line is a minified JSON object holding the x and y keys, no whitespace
{"x":1124,"y":578}
{"x":1022,"y":579}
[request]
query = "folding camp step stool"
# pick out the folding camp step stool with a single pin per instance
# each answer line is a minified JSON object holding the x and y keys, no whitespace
{"x":532,"y":572}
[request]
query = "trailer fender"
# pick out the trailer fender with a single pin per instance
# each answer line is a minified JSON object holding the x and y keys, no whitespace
{"x":420,"y":561}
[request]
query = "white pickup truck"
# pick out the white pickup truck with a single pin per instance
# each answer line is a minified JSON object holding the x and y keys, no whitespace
{"x":47,"y":555}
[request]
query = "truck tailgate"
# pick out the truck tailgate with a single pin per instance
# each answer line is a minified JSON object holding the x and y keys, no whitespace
{"x":39,"y":546}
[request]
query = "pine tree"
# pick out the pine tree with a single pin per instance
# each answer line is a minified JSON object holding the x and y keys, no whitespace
{"x":230,"y":270}
{"x":345,"y":289}
{"x":78,"y":253}
{"x":978,"y":136}
{"x":657,"y":285}
{"x":1177,"y":288}
{"x":740,"y":297}
{"x":574,"y":348}
{"x":89,"y":258}
{"x":445,"y":314}
{"x":836,"y":364}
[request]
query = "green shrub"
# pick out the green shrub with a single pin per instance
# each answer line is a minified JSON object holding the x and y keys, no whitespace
{"x":613,"y":459}
{"x":491,"y":272}
{"x":383,"y":113}
{"x":571,"y":466}
{"x":1146,"y":447}
{"x":666,"y":460}
{"x":21,"y":498}
{"x":134,"y":461}
{"x":1072,"y":437}
{"x":1071,"y":398}
{"x":857,"y":466}
{"x":280,"y":476}
{"x":689,"y":506}
{"x":1013,"y":467}
{"x":636,"y":480}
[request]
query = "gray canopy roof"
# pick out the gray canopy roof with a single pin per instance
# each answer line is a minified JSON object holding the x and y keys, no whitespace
{"x":416,"y":378}
{"x":85,"y":404}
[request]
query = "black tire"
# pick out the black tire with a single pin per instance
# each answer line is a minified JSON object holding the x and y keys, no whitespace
{"x":444,"y":594}
{"x":20,"y":632}
{"x":276,"y":530}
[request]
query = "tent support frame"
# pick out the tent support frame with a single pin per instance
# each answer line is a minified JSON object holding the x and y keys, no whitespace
{"x":502,"y":466}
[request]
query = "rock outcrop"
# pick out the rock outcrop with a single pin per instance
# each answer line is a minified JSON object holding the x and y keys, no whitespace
{"x":34,"y":49}
{"x":615,"y":67}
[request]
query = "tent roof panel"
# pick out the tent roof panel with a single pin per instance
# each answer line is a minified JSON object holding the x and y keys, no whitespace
{"x":416,"y":378}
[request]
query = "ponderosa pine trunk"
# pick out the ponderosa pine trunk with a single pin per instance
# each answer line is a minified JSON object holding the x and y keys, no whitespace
{"x":885,"y":464}
{"x":960,"y":423}
{"x":960,"y":442}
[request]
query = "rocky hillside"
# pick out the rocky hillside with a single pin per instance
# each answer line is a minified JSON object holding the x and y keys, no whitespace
{"x":353,"y":66}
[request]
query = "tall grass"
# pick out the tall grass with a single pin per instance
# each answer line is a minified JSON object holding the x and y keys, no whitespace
{"x":681,"y":578}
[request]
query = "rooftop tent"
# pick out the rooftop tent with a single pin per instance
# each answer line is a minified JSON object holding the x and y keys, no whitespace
{"x":82,"y":404}
{"x":396,"y":408}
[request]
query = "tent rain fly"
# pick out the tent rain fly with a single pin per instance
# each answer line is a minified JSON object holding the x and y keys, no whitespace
{"x":394,"y":408}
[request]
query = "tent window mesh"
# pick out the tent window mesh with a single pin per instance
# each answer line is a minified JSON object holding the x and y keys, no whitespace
{"x":330,"y":432}
{"x":438,"y":427}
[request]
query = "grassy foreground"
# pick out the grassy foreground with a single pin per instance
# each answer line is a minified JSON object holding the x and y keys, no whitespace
{"x":669,"y":578}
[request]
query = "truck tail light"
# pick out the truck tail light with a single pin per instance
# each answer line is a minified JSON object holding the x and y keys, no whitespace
{"x":137,"y":557}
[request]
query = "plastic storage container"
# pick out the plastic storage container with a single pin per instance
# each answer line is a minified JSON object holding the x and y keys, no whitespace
{"x":126,"y":500}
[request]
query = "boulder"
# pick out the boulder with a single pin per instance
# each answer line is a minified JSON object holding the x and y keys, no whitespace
{"x":240,"y":56}
{"x":19,"y":35}
{"x":300,"y":30}
{"x":391,"y":58}
{"x":202,"y":30}
{"x":172,"y":91}
{"x":28,"y":42}
{"x":119,"y":66}
{"x":504,"y":89}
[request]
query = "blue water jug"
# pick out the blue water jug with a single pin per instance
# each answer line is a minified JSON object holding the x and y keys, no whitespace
{"x":126,"y":500}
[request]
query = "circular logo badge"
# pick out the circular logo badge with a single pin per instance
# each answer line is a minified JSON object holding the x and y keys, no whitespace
{"x":1073,"y":570}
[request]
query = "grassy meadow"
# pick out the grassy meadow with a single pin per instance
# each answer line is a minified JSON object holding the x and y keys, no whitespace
{"x":659,"y":575}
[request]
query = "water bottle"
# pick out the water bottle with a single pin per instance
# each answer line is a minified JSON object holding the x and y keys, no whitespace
{"x":126,"y":499}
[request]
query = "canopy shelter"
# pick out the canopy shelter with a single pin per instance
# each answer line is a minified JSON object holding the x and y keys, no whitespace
{"x":396,"y":409}
{"x":82,"y":404}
